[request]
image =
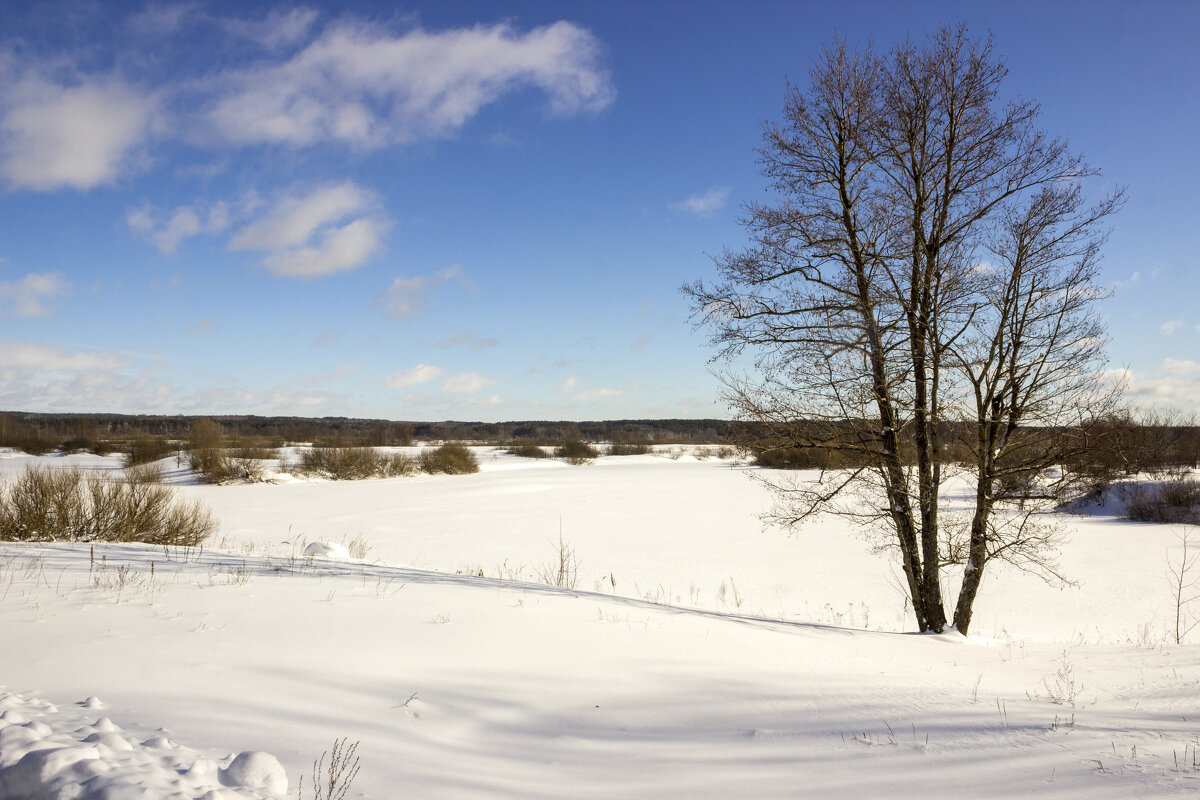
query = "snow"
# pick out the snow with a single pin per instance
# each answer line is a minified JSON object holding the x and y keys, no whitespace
{"x":699,"y":655}
{"x":327,"y":550}
{"x":46,"y":752}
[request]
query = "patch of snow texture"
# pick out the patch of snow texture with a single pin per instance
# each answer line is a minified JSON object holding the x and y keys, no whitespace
{"x":47,"y":754}
{"x":327,"y":550}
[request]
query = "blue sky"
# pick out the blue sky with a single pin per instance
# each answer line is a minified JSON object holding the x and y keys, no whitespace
{"x":485,"y":210}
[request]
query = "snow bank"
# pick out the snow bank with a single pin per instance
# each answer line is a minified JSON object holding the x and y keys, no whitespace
{"x":46,"y":753}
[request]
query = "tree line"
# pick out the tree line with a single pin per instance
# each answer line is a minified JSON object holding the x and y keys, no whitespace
{"x":42,"y":432}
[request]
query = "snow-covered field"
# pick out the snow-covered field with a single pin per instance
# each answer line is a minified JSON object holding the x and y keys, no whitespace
{"x":698,"y":656}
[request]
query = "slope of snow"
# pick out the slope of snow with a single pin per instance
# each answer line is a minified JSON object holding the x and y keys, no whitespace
{"x":698,"y":656}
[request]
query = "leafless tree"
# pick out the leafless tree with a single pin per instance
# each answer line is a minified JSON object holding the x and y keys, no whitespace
{"x":925,"y":270}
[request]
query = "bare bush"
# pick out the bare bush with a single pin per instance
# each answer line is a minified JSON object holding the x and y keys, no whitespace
{"x":528,"y":451}
{"x":143,"y":448}
{"x":47,"y":505}
{"x":628,"y":449}
{"x":576,"y":451}
{"x":1171,"y":501}
{"x":354,"y":463}
{"x":564,"y":570}
{"x":449,"y":459}
{"x":397,"y":465}
{"x":1185,"y":585}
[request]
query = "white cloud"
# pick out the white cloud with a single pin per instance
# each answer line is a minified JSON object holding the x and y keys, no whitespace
{"x":168,"y":232}
{"x":1178,"y":387}
{"x":27,"y":297}
{"x":80,"y":136}
{"x":47,"y":358}
{"x":568,"y":383}
{"x":406,"y":296}
{"x":309,"y":236}
{"x":1173,"y":366}
{"x":466,"y":383}
{"x":421,"y":373}
{"x":1168,"y":328}
{"x":704,"y":204}
{"x":359,"y":84}
{"x":294,"y":219}
{"x":340,"y":249}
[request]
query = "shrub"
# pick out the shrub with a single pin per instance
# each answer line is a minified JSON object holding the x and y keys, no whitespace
{"x":1168,"y":501}
{"x":628,"y":449}
{"x":208,"y":456}
{"x":252,"y":450}
{"x":355,"y":463}
{"x":576,"y":451}
{"x":142,"y":448}
{"x":528,"y":451}
{"x":33,"y":444}
{"x":398,"y":465}
{"x":47,"y":505}
{"x":449,"y":459}
{"x":564,"y":570}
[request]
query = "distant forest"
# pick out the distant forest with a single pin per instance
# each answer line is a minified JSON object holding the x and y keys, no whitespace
{"x":35,"y":432}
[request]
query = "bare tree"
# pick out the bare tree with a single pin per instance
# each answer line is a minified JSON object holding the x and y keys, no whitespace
{"x":898,"y":290}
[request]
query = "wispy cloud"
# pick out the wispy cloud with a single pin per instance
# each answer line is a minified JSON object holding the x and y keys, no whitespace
{"x":1173,"y":366}
{"x":167,"y":232}
{"x":1176,"y":384}
{"x":1169,"y":328}
{"x":162,"y":19}
{"x":408,"y":296}
{"x":704,"y":204}
{"x":28,"y":297}
{"x":568,"y":383}
{"x":358,"y":83}
{"x":599,"y":394}
{"x":421,"y":373}
{"x":79,"y":136}
{"x":50,"y":358}
{"x":363,"y":85}
{"x":466,"y":339}
{"x":467,"y":383}
{"x":330,"y":229}
{"x":279,"y":29}
{"x":202,"y":326}
{"x":1130,"y":281}
{"x":490,"y":400}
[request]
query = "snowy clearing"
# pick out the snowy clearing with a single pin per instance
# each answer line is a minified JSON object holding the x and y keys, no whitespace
{"x":699,"y":655}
